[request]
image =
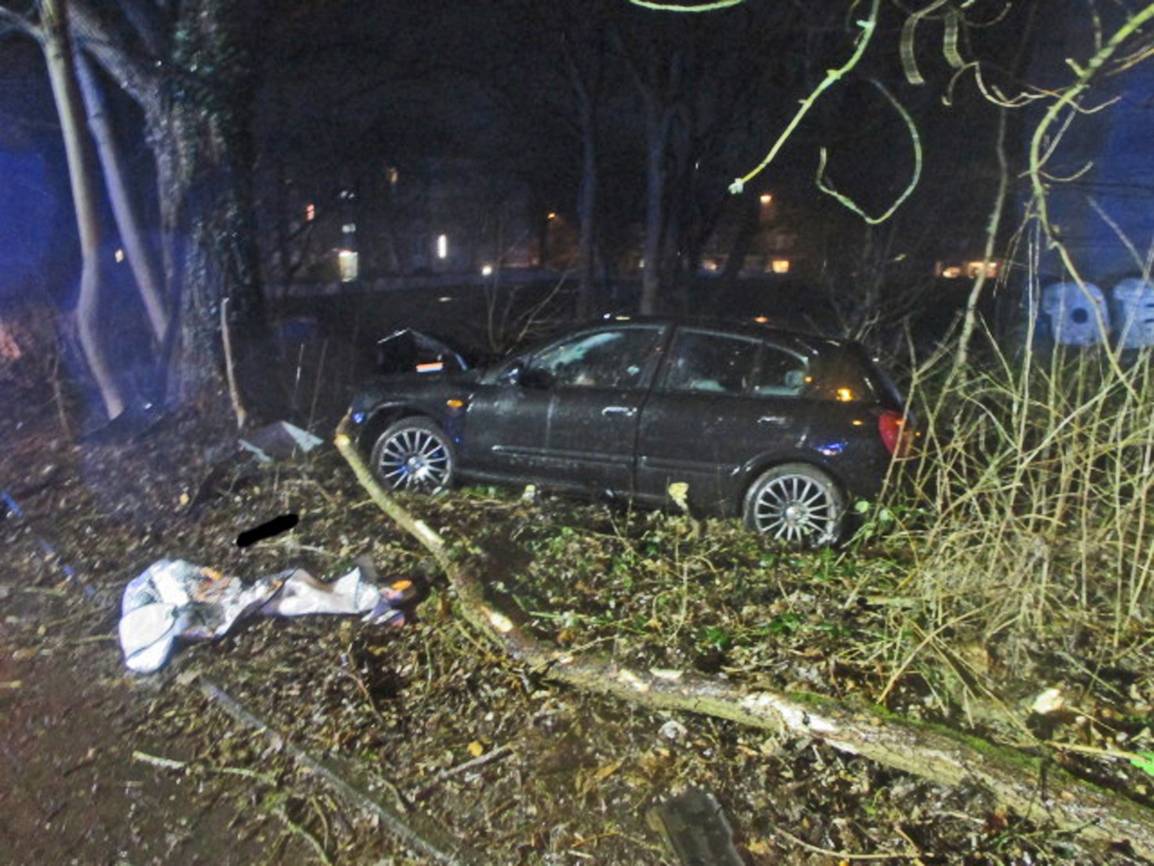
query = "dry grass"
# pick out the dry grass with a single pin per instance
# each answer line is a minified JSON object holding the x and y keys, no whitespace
{"x":1031,"y":506}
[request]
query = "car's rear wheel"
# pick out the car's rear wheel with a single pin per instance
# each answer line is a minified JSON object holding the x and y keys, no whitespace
{"x":414,"y":454}
{"x":796,"y":503}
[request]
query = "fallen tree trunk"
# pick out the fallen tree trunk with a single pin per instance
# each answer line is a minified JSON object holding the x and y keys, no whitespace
{"x":1036,"y":789}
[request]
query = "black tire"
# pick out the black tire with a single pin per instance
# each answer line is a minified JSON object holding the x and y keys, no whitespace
{"x":414,"y":454}
{"x":796,"y":503}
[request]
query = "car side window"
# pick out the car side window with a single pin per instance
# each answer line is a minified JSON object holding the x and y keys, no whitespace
{"x":781,"y":374}
{"x":704,"y":362}
{"x":604,"y":359}
{"x":842,"y":377}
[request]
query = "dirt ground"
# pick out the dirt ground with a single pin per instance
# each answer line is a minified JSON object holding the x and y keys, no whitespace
{"x":98,"y":766}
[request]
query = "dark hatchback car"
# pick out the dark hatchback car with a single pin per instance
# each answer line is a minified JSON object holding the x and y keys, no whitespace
{"x":781,"y":428}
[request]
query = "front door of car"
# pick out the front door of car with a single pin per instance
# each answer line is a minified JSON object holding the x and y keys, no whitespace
{"x":600,"y":380}
{"x":506,"y":424}
{"x":720,"y":401}
{"x":571,"y":418}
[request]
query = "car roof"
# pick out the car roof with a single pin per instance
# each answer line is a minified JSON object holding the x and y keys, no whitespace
{"x":744,"y":327}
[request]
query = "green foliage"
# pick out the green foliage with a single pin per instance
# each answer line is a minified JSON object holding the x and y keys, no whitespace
{"x":1144,"y":762}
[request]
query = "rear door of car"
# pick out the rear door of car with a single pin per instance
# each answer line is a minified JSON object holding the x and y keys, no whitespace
{"x":720,"y":400}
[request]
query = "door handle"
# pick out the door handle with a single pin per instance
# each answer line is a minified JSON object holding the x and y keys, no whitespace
{"x":774,"y":420}
{"x":627,"y":411}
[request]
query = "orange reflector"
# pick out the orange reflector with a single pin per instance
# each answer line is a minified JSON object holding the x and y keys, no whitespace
{"x":401,"y":584}
{"x":454,"y":403}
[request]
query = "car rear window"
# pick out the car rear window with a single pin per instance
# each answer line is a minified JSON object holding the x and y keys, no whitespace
{"x":839,"y":374}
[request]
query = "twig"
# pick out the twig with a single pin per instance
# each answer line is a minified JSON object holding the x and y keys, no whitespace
{"x":868,"y":26}
{"x":843,"y":199}
{"x":157,"y":761}
{"x":230,"y":367}
{"x":843,"y":855}
{"x":298,"y":830}
{"x":479,"y":761}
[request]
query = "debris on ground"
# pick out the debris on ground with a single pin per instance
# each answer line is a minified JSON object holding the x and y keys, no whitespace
{"x":279,"y":441}
{"x":174,"y":599}
{"x":402,"y":713}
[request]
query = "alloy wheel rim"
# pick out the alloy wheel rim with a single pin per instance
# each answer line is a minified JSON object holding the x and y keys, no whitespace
{"x":794,"y":509}
{"x":414,"y":460}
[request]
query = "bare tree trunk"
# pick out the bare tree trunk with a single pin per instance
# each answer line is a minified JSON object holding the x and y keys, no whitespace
{"x":124,"y":209}
{"x":198,"y":133}
{"x":202,"y":148}
{"x":587,"y":88}
{"x":587,"y":210}
{"x":657,"y":123}
{"x":58,"y":57}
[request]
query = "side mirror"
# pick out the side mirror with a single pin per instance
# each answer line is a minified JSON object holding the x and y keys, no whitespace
{"x":512,"y":374}
{"x":518,"y":373}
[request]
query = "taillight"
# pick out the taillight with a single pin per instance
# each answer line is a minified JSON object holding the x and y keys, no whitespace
{"x":892,"y":427}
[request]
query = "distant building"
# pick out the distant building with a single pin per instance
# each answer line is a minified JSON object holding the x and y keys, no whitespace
{"x":433,"y":216}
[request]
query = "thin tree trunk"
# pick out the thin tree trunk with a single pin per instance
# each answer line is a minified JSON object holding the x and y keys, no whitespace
{"x":124,"y":209}
{"x":970,"y":319}
{"x":58,"y":57}
{"x":656,"y":139}
{"x":587,"y":210}
{"x":742,"y":242}
{"x":588,"y":92}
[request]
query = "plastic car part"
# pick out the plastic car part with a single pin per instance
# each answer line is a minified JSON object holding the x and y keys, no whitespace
{"x":796,"y":503}
{"x":414,"y":454}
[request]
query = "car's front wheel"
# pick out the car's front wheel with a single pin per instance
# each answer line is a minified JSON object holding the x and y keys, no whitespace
{"x":796,"y":503}
{"x":414,"y":454}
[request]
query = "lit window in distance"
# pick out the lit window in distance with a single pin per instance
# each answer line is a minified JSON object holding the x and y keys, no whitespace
{"x":347,"y":263}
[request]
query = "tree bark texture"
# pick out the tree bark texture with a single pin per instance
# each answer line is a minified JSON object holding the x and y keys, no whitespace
{"x":58,"y":57}
{"x":587,"y":90}
{"x":658,"y":120}
{"x":203,"y":149}
{"x":587,"y":211}
{"x":196,"y":106}
{"x":1037,"y":791}
{"x":124,"y":209}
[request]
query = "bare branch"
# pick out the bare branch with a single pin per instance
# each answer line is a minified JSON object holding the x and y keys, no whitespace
{"x":106,"y":46}
{"x":19,"y":22}
{"x":868,"y":26}
{"x":909,"y":30}
{"x":681,"y":8}
{"x":824,"y":186}
{"x":147,"y":19}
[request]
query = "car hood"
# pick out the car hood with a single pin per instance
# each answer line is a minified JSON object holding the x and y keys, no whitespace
{"x":411,"y":351}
